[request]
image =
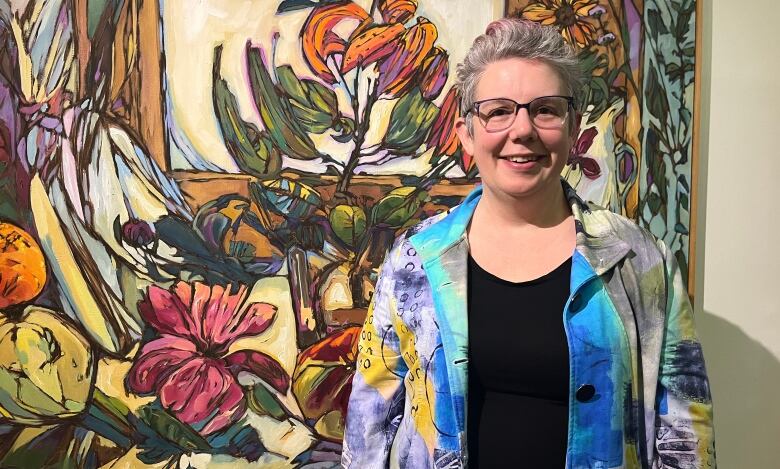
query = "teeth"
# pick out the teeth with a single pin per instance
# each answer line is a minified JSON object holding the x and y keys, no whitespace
{"x":522,"y":159}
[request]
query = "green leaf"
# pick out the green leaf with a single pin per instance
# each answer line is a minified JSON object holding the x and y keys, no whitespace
{"x":314,"y":105}
{"x":285,"y":197}
{"x":314,"y":122}
{"x":683,"y":183}
{"x":263,"y":402}
{"x":291,"y":84}
{"x":293,"y":5}
{"x":590,"y":61}
{"x":683,"y":23}
{"x":252,"y":150}
{"x":654,"y":202}
{"x":348,"y":223}
{"x":654,"y":97}
{"x":60,"y":446}
{"x":322,"y":97}
{"x":598,"y":94}
{"x":346,"y":128}
{"x":410,"y":120}
{"x":656,"y":23}
{"x":682,"y":262}
{"x":398,"y":206}
{"x":276,"y":113}
{"x":172,"y":429}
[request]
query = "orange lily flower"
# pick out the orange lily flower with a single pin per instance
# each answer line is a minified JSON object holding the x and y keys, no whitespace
{"x":320,"y":42}
{"x":370,"y":45}
{"x":434,"y":73}
{"x":397,"y":11}
{"x":442,"y":135}
{"x":398,"y":69}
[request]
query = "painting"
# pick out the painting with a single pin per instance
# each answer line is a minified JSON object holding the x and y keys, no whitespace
{"x":635,"y":154}
{"x":196,"y":197}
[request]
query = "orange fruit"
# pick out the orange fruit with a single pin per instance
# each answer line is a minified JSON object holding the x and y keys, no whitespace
{"x":22,"y":266}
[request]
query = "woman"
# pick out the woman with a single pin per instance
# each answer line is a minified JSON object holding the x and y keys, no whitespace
{"x":525,"y":327}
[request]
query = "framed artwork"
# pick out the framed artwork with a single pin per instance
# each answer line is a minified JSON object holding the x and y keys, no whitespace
{"x":195,"y":199}
{"x":636,"y":151}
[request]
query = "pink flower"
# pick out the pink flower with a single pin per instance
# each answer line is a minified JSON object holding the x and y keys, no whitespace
{"x":188,"y":366}
{"x":579,"y":156}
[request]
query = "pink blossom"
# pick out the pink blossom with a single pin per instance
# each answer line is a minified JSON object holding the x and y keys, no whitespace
{"x":579,"y":156}
{"x":188,"y":366}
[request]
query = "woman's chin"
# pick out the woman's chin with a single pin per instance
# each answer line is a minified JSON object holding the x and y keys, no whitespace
{"x":527,"y":185}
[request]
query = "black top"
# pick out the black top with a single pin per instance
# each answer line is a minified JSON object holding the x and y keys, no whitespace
{"x":518,"y":387}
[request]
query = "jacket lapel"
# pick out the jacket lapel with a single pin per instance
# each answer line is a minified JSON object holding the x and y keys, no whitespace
{"x":597,"y":239}
{"x":443,"y":249}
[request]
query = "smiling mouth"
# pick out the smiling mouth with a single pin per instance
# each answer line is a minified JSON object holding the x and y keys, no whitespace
{"x":522,"y":159}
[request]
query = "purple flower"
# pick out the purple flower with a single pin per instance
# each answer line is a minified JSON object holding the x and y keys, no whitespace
{"x":597,"y":11}
{"x":606,"y":39}
{"x":579,"y":157}
{"x":138,"y":233}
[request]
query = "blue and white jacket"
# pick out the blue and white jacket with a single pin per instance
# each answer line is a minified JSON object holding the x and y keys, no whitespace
{"x":630,"y":332}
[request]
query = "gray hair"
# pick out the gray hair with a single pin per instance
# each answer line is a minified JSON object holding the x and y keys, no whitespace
{"x":509,"y":38}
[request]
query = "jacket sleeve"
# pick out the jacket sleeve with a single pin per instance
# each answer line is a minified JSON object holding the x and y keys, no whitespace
{"x":683,"y":425}
{"x":377,"y":400}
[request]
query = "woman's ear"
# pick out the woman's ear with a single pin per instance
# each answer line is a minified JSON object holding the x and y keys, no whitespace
{"x":466,"y":139}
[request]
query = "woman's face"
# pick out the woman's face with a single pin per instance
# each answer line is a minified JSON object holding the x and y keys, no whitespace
{"x":542,"y":152}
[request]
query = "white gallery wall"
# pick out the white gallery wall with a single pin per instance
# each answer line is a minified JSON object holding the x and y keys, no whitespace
{"x":738,"y":258}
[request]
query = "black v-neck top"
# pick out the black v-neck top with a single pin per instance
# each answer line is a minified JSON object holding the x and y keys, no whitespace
{"x":518,"y":386}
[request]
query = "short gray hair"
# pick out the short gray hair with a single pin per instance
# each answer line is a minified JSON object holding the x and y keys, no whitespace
{"x":509,"y":38}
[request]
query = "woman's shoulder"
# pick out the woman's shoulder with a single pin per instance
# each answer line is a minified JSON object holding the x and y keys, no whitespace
{"x":598,"y":221}
{"x":402,"y":246}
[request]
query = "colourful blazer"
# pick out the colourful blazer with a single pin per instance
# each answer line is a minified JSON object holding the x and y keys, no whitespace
{"x":638,"y":391}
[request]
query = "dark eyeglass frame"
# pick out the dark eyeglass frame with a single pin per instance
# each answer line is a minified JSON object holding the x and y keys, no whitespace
{"x":474,"y":109}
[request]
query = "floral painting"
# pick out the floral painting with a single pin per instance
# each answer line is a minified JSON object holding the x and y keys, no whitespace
{"x":635,"y":150}
{"x":195,"y":200}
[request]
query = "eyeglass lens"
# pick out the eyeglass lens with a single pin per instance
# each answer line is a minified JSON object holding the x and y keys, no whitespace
{"x":546,"y":112}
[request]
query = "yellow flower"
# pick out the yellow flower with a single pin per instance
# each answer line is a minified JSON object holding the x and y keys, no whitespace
{"x":46,"y":368}
{"x":570,"y":16}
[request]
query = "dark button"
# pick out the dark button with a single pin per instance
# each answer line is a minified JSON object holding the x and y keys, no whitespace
{"x":585,"y":393}
{"x":576,"y":303}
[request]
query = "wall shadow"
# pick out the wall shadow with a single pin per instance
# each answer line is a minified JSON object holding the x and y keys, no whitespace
{"x":745,"y":380}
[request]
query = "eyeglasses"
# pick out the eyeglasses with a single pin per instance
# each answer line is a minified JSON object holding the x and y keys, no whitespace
{"x":546,"y":112}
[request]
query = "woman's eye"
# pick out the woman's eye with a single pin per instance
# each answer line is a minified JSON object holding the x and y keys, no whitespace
{"x":502,"y":111}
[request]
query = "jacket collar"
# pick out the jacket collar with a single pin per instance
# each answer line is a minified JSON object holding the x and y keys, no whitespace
{"x":597,"y":240}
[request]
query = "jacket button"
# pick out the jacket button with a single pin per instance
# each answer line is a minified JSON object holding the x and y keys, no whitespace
{"x":585,"y":393}
{"x":576,"y":303}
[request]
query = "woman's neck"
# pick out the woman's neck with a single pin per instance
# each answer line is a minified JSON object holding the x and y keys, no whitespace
{"x":542,"y":209}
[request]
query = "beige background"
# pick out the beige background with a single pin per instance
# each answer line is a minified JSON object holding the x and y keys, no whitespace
{"x":738,"y":261}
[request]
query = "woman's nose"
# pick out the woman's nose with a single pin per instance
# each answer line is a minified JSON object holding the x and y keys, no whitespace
{"x":522,"y":128}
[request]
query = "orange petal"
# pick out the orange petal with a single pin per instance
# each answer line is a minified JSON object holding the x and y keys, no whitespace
{"x":443,"y":136}
{"x":372,"y":44}
{"x":434,"y":73}
{"x":397,"y":11}
{"x":581,"y":32}
{"x":583,"y":7}
{"x":398,"y":69}
{"x":318,"y":39}
{"x":540,"y":13}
